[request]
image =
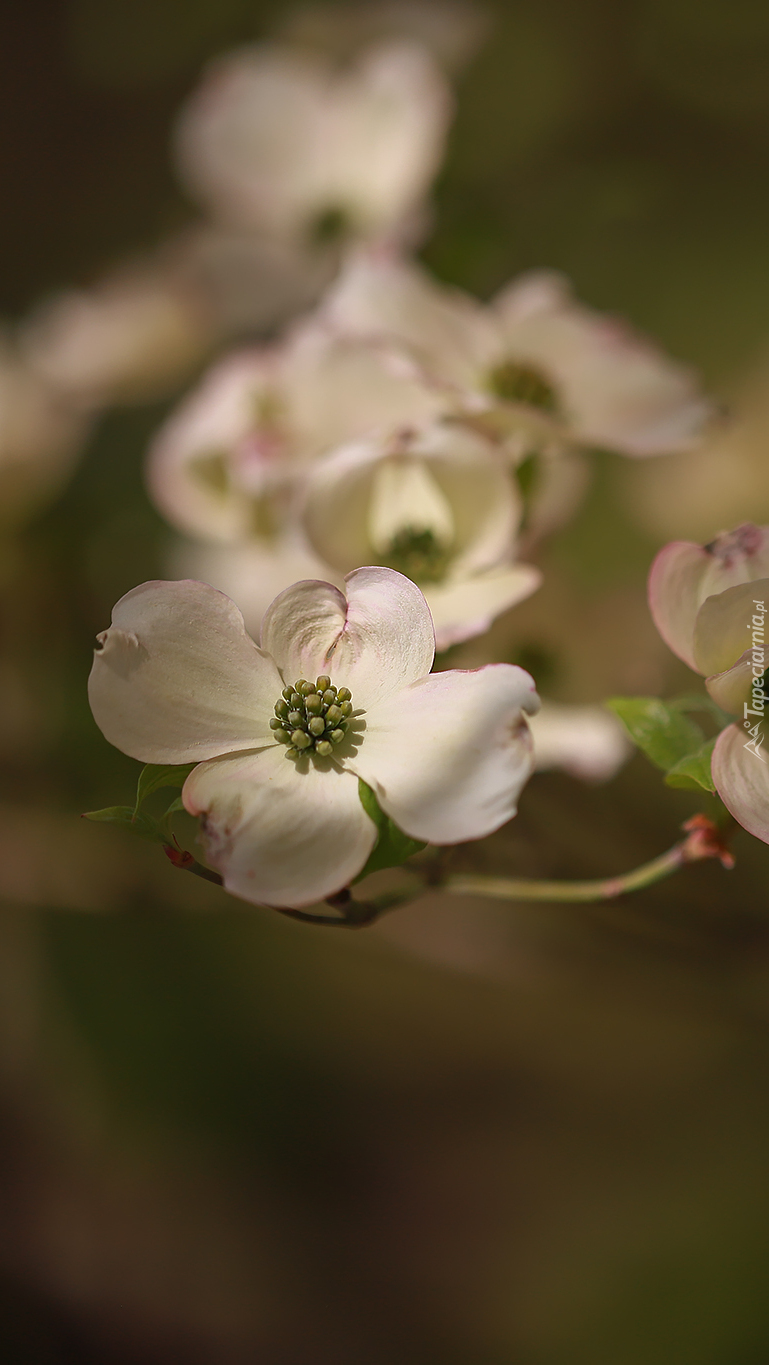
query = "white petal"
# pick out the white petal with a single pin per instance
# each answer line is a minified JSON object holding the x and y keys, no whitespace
{"x":741,"y":777}
{"x":448,"y":756}
{"x":213,"y":458}
{"x":404,"y":494}
{"x":458,"y":475}
{"x":178,"y":679}
{"x":683,"y":575}
{"x":280,"y":832}
{"x":464,"y":607}
{"x":380,"y":295}
{"x":585,"y":741}
{"x":724,"y":628}
{"x":375,"y":642}
{"x":617,"y":389}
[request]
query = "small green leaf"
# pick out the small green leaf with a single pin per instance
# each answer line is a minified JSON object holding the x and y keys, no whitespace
{"x":175,"y":806}
{"x":694,"y":770}
{"x":143,"y":825}
{"x":392,"y":847}
{"x":661,"y":729}
{"x":155,"y":775}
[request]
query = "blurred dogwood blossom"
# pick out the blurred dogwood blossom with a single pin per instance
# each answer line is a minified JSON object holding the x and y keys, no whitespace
{"x":177,"y":680}
{"x":585,"y":741}
{"x":550,"y":370}
{"x":710,"y":605}
{"x":434,"y":502}
{"x":226,"y":464}
{"x":127,"y":339}
{"x":282,"y":142}
{"x":40,"y":436}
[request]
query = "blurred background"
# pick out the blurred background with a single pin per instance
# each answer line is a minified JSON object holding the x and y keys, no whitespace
{"x":477,"y":1134}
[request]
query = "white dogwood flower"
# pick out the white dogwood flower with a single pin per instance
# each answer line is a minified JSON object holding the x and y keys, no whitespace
{"x":558,"y":370}
{"x":338,"y":691}
{"x":434,"y":502}
{"x":586,"y":741}
{"x":282,"y":142}
{"x":225,"y":464}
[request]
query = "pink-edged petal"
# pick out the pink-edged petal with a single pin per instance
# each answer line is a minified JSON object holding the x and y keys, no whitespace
{"x":447,"y":757}
{"x":683,"y":575}
{"x":464,"y":608}
{"x":177,"y":679}
{"x":725,"y":626}
{"x":280,"y":832}
{"x":375,"y":642}
{"x":740,"y":771}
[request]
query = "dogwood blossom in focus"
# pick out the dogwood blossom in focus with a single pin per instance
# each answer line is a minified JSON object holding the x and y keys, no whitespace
{"x":127,"y":339}
{"x":280,"y":141}
{"x":338,"y":691}
{"x":552,"y":370}
{"x":709,"y":604}
{"x":434,"y":502}
{"x":40,"y":437}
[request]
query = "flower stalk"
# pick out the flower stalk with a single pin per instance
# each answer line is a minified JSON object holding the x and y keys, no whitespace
{"x":703,"y":840}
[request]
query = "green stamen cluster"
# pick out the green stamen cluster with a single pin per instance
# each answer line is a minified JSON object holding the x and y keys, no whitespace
{"x":523,"y":384}
{"x":311,"y":717}
{"x":419,"y":555}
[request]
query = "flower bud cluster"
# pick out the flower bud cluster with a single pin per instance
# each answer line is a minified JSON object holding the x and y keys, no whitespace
{"x":311,"y":717}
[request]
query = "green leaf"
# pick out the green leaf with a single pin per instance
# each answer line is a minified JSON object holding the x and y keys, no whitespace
{"x":143,"y":825}
{"x":694,"y":770}
{"x":155,"y":775}
{"x":660,"y":728}
{"x":392,"y":847}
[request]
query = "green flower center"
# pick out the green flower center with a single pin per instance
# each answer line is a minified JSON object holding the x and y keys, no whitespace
{"x":311,"y":718}
{"x":516,"y":383}
{"x":419,"y":555}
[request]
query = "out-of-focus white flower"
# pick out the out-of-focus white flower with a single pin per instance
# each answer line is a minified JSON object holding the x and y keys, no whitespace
{"x":684,"y":575}
{"x":585,"y":741}
{"x":224,"y":466}
{"x":40,"y":437}
{"x":434,"y":502}
{"x":284,"y":143}
{"x":178,"y":680}
{"x":127,"y":339}
{"x":561,"y":372}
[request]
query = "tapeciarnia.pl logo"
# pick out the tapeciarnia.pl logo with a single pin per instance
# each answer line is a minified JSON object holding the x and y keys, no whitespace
{"x":757,"y":694}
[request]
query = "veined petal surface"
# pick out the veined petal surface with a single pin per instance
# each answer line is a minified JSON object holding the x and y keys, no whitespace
{"x":375,"y":641}
{"x":280,"y":832}
{"x":177,"y":679}
{"x":447,"y":757}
